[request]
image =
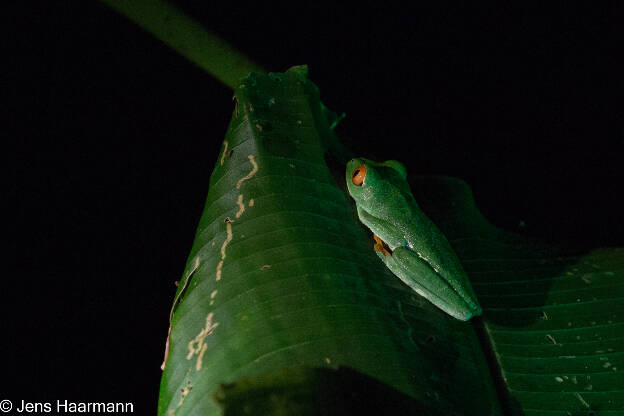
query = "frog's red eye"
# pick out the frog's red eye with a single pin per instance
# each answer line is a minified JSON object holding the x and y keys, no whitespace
{"x":358,"y":175}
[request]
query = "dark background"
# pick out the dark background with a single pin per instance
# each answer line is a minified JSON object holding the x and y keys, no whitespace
{"x":113,"y":137}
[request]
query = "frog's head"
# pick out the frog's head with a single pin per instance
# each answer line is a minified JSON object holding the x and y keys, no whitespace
{"x":375,"y":187}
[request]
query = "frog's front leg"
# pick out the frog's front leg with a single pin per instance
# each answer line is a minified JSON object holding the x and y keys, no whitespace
{"x":418,"y":274}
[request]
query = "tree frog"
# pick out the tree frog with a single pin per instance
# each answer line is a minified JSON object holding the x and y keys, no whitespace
{"x":406,"y":240}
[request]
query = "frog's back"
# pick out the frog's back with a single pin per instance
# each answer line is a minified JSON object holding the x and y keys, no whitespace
{"x":426,"y":239}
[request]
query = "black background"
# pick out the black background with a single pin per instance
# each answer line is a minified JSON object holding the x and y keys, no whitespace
{"x":116,"y":136}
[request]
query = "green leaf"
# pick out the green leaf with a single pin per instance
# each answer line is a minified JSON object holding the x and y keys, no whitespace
{"x":554,"y":316}
{"x":282,"y":275}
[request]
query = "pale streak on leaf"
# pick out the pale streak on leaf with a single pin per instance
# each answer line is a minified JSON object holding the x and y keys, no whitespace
{"x":241,"y":206}
{"x":228,"y":227}
{"x":185,"y":391}
{"x":578,"y":396}
{"x":199,"y":341}
{"x":250,"y":174}
{"x":225,"y":147}
{"x":198,"y":365}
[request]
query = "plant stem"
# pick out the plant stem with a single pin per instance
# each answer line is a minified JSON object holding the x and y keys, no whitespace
{"x":187,"y":37}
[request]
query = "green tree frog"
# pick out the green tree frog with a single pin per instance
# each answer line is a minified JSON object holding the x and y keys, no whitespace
{"x":406,"y":240}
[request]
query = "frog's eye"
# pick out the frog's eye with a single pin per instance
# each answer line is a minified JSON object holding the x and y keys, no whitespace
{"x":358,"y":175}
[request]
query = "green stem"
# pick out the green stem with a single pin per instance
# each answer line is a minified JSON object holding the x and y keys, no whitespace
{"x":188,"y":38}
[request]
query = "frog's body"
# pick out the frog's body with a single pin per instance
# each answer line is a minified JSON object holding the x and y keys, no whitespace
{"x":418,"y":253}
